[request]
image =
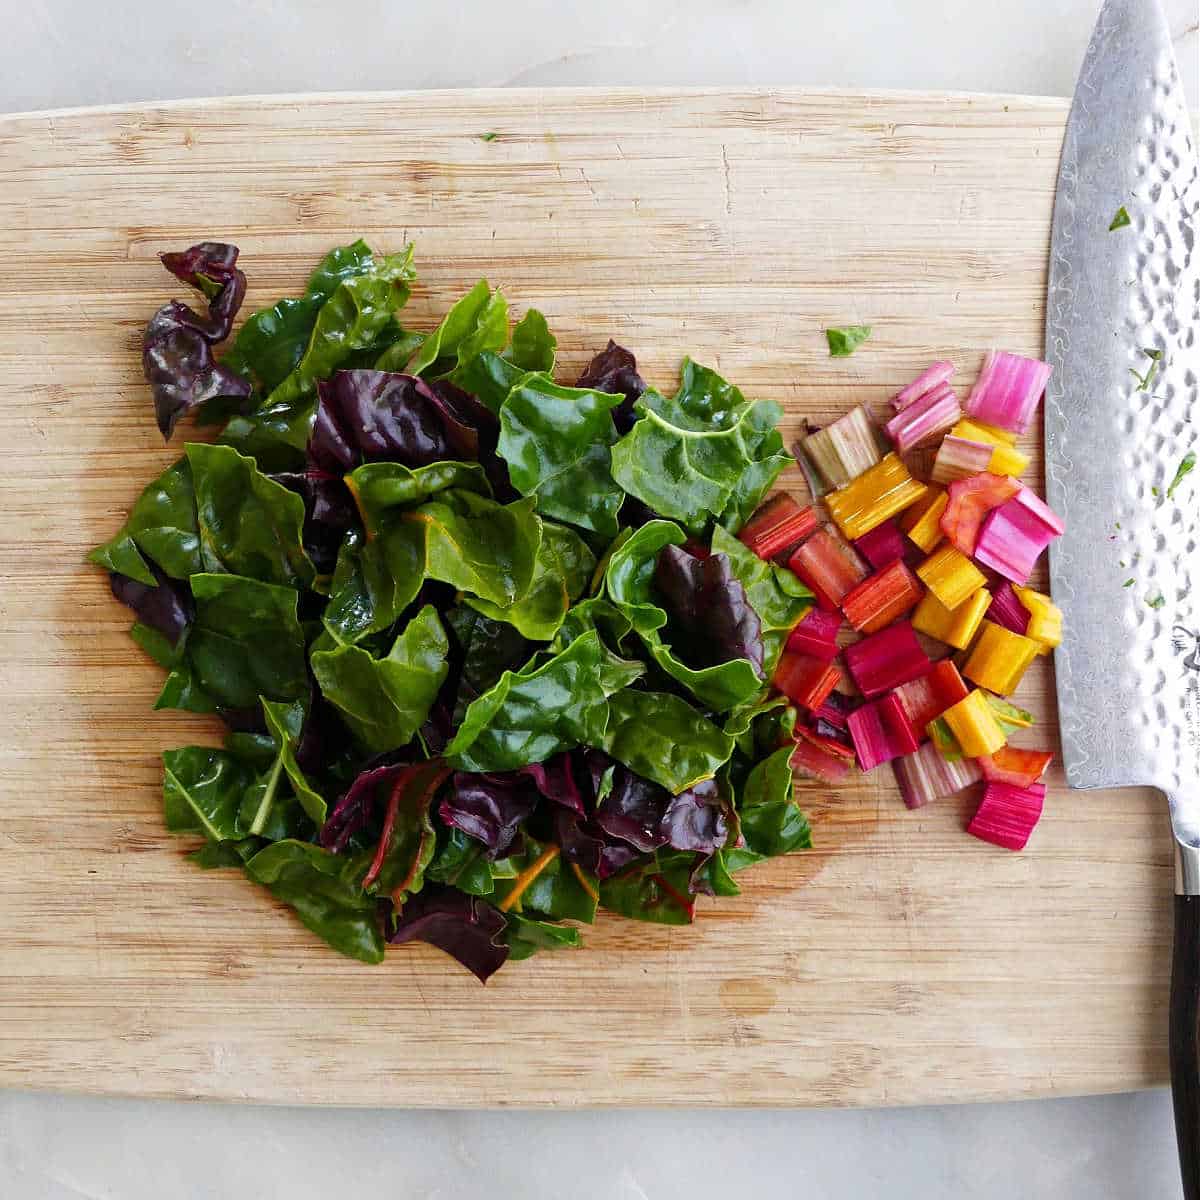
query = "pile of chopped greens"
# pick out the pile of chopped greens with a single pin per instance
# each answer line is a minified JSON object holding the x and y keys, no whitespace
{"x":488,"y":652}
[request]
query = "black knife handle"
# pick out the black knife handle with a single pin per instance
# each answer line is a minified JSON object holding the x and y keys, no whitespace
{"x":1185,"y":1040}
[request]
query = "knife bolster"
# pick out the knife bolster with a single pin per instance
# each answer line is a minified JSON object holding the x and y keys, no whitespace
{"x":1187,"y":869}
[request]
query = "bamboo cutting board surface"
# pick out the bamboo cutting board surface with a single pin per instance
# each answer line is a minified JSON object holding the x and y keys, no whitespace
{"x":900,"y":961}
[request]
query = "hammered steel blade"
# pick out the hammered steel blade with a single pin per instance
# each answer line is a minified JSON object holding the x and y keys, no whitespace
{"x":1119,"y":421}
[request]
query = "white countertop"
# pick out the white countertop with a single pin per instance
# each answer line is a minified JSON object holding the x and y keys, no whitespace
{"x":57,"y":53}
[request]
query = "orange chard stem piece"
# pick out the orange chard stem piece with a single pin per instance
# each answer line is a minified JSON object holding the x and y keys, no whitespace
{"x":527,"y":876}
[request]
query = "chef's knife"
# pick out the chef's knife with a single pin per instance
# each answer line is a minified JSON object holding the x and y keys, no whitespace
{"x":1122,"y":417}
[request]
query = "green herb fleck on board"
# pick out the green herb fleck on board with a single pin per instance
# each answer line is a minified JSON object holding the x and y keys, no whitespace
{"x":491,"y":136}
{"x":1186,"y":466}
{"x":1154,"y":492}
{"x":1127,"y":583}
{"x":1157,"y":600}
{"x":844,"y":342}
{"x":1144,"y":381}
{"x":1120,"y":220}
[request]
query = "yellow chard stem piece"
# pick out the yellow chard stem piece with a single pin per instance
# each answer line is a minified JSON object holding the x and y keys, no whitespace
{"x":974,"y":726}
{"x":1045,"y":618}
{"x":951,"y":576}
{"x":923,"y":522}
{"x":1000,"y":658}
{"x":1007,"y":461}
{"x":877,"y":494}
{"x":954,"y":626}
{"x":527,"y":876}
{"x":981,"y":431}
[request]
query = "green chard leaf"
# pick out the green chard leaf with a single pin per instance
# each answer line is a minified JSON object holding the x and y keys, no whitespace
{"x":843,"y":342}
{"x":489,"y":377}
{"x":556,"y":441}
{"x":542,"y":709}
{"x":525,"y":937}
{"x":561,"y":572}
{"x":375,"y":580}
{"x":246,"y":641}
{"x":664,"y":739}
{"x":462,"y":538}
{"x":378,"y":576}
{"x":384,"y":701}
{"x":630,"y":582}
{"x":397,"y":354}
{"x":382,"y":488}
{"x":162,"y":525}
{"x":717,"y":872}
{"x":556,"y":892}
{"x":282,"y":778}
{"x":596,"y":614}
{"x":1120,"y":220}
{"x":463,"y":863}
{"x":354,"y":317}
{"x":766,"y":720}
{"x":271,"y":342}
{"x":480,"y":546}
{"x":213,"y":856}
{"x":325,"y":892}
{"x":120,"y":554}
{"x":768,"y":460}
{"x":181,"y":689}
{"x":771,"y":821}
{"x":533,"y":345}
{"x":687,"y":457}
{"x":202,"y":792}
{"x":657,"y":889}
{"x":477,"y":322}
{"x":249,"y":524}
{"x":356,"y":311}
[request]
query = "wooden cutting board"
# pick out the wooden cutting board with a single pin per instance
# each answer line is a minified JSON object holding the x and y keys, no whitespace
{"x":900,"y":961}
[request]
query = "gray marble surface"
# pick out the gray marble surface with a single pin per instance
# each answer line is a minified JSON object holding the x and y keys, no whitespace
{"x":57,"y":53}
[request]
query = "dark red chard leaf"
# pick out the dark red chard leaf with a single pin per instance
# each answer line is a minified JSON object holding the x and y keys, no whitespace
{"x":177,"y":347}
{"x":614,"y":370}
{"x":491,"y":808}
{"x":167,"y":606}
{"x":323,"y":736}
{"x":357,"y":808}
{"x":329,"y":511}
{"x":586,"y":845}
{"x":555,"y":779}
{"x":468,"y":412}
{"x":695,"y":819}
{"x":712,"y":621}
{"x":206,"y":266}
{"x":465,"y":927}
{"x":381,"y":416}
{"x":633,"y":810}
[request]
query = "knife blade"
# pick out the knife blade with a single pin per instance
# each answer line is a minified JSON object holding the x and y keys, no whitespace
{"x":1123,"y":337}
{"x":1121,"y":419}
